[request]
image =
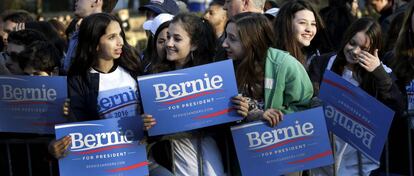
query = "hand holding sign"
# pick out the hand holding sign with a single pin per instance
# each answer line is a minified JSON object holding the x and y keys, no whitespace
{"x":273,"y":116}
{"x":65,"y":108}
{"x":241,"y":105}
{"x":58,"y":148}
{"x":148,"y":121}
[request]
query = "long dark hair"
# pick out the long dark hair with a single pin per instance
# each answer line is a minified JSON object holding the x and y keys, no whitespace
{"x":283,"y":29}
{"x":257,"y":36}
{"x":91,"y":30}
{"x":202,"y":36}
{"x":373,"y":30}
{"x":337,"y":17}
{"x":403,"y":61}
{"x":151,"y":55}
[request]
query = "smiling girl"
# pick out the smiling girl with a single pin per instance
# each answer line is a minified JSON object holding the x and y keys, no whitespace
{"x":357,"y":62}
{"x":300,"y":31}
{"x":190,"y":42}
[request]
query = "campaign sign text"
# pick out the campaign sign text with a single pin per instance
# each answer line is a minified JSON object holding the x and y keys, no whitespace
{"x":355,"y":116}
{"x":189,"y":98}
{"x":297,"y":143}
{"x":31,"y":104}
{"x":104,"y":147}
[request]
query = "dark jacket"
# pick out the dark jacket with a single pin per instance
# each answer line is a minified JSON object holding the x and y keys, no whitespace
{"x":83,"y":93}
{"x":385,"y":89}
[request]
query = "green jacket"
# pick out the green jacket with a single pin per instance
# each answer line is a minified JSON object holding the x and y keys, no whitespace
{"x":287,"y":84}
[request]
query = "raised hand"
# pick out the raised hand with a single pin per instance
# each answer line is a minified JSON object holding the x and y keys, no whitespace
{"x":368,"y":61}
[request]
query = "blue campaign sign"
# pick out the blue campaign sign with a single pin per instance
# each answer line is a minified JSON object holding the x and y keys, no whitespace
{"x":189,"y":98}
{"x":104,"y":147}
{"x":31,"y":104}
{"x":355,"y":116}
{"x":297,"y":143}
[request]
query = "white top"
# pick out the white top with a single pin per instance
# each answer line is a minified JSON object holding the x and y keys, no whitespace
{"x":118,"y":94}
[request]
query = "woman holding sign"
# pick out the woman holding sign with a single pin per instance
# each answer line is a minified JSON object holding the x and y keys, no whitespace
{"x":269,"y":79}
{"x":104,"y":66}
{"x":190,"y":42}
{"x":357,"y":62}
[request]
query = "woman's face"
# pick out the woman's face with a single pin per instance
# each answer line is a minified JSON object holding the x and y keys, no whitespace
{"x":110,"y":44}
{"x":304,"y":27}
{"x":160,"y":43}
{"x":232,"y":43}
{"x":178,"y":44}
{"x":354,"y":7}
{"x":353,"y":48}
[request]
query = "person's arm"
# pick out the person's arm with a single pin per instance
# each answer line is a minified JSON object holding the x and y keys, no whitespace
{"x":386,"y":89}
{"x":293,"y":87}
{"x":78,"y":105}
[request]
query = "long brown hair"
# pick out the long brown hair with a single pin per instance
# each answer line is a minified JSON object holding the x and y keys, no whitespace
{"x":403,"y":61}
{"x":91,"y":30}
{"x":283,"y":30}
{"x":201,"y":34}
{"x":256,"y":35}
{"x":373,"y":30}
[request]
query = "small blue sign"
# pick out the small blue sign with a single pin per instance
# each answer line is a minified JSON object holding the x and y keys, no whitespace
{"x":355,"y":116}
{"x":297,"y":143}
{"x":191,"y":98}
{"x":31,"y":104}
{"x":104,"y":147}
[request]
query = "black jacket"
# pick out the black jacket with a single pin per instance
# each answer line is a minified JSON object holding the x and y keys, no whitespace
{"x":83,"y":93}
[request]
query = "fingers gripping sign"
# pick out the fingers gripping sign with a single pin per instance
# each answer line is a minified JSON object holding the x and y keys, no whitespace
{"x":59,"y":148}
{"x":273,"y":116}
{"x":241,"y":105}
{"x":148,"y":121}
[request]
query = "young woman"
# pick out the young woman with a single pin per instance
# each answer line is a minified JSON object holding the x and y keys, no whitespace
{"x":300,"y":31}
{"x":357,"y":61}
{"x":269,"y":79}
{"x":105,"y":65}
{"x":156,"y":42}
{"x":190,"y":42}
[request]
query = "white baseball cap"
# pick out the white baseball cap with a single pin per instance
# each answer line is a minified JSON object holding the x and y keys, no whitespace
{"x":152,"y":25}
{"x":272,"y":11}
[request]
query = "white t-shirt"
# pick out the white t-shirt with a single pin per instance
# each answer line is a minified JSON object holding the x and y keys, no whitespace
{"x":118,"y":94}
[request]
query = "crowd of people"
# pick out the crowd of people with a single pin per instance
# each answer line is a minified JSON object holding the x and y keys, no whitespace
{"x":280,"y":54}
